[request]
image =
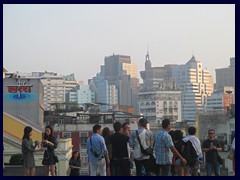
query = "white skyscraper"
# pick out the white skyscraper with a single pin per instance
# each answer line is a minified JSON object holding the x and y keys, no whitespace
{"x":196,"y":84}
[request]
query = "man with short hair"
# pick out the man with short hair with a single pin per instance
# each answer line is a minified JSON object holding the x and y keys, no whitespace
{"x":120,"y":155}
{"x":193,"y":144}
{"x":211,"y":148}
{"x":164,"y":149}
{"x":146,"y":139}
{"x":96,"y":150}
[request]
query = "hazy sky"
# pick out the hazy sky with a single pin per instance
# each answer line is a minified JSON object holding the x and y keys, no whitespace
{"x":75,"y":38}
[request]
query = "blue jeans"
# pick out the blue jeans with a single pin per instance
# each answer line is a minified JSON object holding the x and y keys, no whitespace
{"x":212,"y":167}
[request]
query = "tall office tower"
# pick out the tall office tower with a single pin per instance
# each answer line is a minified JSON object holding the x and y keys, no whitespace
{"x":196,"y":84}
{"x":158,"y":97}
{"x":226,"y":76}
{"x":153,"y":77}
{"x":105,"y":93}
{"x":119,"y":71}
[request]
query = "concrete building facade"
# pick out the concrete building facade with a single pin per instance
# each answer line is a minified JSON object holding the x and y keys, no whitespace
{"x":119,"y":71}
{"x":226,"y":76}
{"x":24,"y":98}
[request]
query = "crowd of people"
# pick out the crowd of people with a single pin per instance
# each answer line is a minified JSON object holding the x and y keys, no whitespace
{"x":169,"y":153}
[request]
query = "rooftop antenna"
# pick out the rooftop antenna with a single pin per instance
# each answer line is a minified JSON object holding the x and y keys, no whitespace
{"x":147,"y":56}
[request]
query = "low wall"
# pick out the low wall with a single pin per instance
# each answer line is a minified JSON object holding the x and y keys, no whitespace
{"x":17,"y":170}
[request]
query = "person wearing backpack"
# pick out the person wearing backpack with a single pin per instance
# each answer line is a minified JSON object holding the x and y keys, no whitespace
{"x":164,"y":149}
{"x":211,"y":148}
{"x":146,"y":139}
{"x":179,"y":145}
{"x":192,"y":151}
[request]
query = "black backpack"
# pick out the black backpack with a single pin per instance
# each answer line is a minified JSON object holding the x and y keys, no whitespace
{"x":189,"y":153}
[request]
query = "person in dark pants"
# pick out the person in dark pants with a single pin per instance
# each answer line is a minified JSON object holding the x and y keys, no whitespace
{"x":75,"y":164}
{"x":211,"y":148}
{"x":120,"y":155}
{"x":146,"y":140}
{"x":106,"y":133}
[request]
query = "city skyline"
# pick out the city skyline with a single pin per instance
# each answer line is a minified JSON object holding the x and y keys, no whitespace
{"x":75,"y":38}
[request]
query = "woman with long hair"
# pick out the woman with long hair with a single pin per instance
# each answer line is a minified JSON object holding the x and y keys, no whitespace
{"x":75,"y":164}
{"x":106,"y":133}
{"x":27,"y":150}
{"x":49,"y":159}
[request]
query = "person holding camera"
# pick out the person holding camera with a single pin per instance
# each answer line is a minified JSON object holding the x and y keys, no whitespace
{"x":97,"y":150}
{"x":211,"y":147}
{"x":49,"y":144}
{"x":27,"y":150}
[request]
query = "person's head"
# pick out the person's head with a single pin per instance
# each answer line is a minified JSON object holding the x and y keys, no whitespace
{"x":211,"y":133}
{"x":75,"y":155}
{"x":97,"y":129}
{"x":27,"y":132}
{"x":166,"y":124}
{"x":143,"y":122}
{"x":106,"y":132}
{"x":178,"y":135}
{"x":126,"y":127}
{"x":192,"y":130}
{"x":48,"y":131}
{"x":172,"y":134}
{"x":117,"y":126}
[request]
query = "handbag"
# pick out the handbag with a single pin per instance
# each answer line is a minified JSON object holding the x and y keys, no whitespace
{"x":68,"y":171}
{"x":148,"y":151}
{"x":230,"y":155}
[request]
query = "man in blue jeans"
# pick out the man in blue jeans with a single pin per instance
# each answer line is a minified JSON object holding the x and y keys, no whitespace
{"x":211,"y":148}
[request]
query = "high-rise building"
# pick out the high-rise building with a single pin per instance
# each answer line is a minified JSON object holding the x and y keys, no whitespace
{"x":70,"y":82}
{"x":191,"y":79}
{"x":153,"y":77}
{"x":226,"y":76}
{"x":119,"y":71}
{"x":158,"y":97}
{"x":105,"y":93}
{"x":196,"y":84}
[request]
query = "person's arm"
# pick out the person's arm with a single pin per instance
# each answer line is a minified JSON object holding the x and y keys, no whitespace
{"x":107,"y":158}
{"x":205,"y":147}
{"x":26,"y":146}
{"x":176,"y":153}
{"x":217,"y":147}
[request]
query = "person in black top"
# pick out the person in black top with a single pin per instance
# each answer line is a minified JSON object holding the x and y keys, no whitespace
{"x":211,"y":147}
{"x":106,"y":133}
{"x":75,"y":164}
{"x":120,"y":151}
{"x":49,"y":159}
